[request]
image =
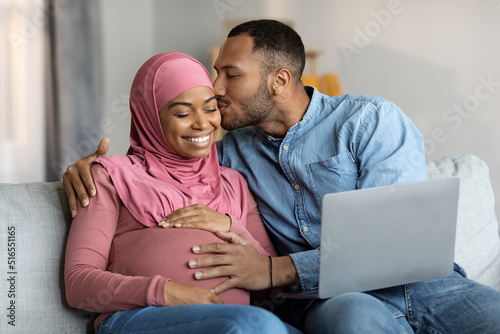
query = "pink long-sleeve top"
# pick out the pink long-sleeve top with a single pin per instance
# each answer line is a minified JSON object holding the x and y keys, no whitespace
{"x":114,"y":263}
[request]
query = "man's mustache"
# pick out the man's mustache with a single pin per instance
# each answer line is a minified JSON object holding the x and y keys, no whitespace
{"x":224,"y":101}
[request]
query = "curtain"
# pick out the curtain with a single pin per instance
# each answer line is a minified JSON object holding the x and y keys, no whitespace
{"x":73,"y":89}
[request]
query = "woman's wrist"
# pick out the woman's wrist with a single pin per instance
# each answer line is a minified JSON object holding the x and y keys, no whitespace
{"x":166,"y":293}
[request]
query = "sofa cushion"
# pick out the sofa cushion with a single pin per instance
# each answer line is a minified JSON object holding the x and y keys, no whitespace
{"x":38,"y":213}
{"x":38,"y":228}
{"x":477,"y":241}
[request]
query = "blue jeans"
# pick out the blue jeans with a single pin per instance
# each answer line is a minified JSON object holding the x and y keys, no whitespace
{"x":453,"y":304}
{"x":196,"y":318}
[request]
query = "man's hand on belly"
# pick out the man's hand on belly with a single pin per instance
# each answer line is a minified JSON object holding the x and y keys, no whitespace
{"x":243,"y":264}
{"x":238,"y":259}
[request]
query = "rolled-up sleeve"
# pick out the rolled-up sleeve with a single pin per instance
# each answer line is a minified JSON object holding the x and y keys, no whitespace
{"x":307,"y":265}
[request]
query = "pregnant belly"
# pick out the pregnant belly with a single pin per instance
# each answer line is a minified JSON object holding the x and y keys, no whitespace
{"x":166,"y":252}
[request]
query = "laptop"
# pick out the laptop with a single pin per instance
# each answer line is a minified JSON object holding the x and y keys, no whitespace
{"x":380,"y":237}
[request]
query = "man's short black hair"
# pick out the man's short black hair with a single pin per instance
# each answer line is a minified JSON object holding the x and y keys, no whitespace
{"x":279,"y":45}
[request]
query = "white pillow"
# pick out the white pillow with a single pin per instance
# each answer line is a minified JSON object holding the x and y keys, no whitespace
{"x":477,"y":242}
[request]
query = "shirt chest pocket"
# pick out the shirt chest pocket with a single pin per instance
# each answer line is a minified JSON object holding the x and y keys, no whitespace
{"x":335,"y":174}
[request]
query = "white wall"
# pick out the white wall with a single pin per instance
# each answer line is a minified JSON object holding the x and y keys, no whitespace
{"x":178,"y":23}
{"x":135,"y":30}
{"x":128,"y":33}
{"x":431,"y":58}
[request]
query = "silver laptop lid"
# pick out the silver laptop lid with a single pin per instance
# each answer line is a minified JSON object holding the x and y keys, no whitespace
{"x":386,"y":236}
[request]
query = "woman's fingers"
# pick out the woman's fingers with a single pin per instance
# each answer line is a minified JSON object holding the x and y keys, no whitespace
{"x":197,"y":216}
{"x":179,"y":293}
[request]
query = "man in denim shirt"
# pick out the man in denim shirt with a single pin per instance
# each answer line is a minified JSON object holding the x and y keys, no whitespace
{"x":295,"y":145}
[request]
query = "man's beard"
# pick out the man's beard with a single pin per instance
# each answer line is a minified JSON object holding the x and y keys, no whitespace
{"x":255,"y":109}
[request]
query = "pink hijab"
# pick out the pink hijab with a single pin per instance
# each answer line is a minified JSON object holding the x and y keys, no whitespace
{"x":153,"y":180}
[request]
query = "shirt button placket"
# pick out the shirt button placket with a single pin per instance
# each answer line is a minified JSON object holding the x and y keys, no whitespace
{"x":296,"y":186}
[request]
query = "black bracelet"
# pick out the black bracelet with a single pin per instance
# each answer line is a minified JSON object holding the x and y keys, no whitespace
{"x":271,"y":270}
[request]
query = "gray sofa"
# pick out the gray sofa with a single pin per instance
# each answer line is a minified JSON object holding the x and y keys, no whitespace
{"x":35,"y":219}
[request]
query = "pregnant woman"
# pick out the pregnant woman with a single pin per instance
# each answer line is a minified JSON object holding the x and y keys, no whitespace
{"x":122,"y":260}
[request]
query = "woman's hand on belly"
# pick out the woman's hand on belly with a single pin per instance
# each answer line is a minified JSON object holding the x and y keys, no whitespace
{"x":180,"y":294}
{"x":197,"y":216}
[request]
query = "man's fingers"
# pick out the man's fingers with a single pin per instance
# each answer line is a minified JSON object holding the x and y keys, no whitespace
{"x":77,"y":180}
{"x":232,"y":237}
{"x":215,"y":248}
{"x":86,"y":177}
{"x":210,"y":261}
{"x":84,"y":169}
{"x":77,"y":184}
{"x":70,"y":193}
{"x":220,"y":271}
{"x":102,"y":148}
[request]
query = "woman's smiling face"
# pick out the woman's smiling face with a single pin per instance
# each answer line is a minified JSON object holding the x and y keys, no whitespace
{"x":191,"y":122}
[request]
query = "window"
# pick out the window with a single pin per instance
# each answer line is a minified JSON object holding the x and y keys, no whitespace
{"x":22,"y":103}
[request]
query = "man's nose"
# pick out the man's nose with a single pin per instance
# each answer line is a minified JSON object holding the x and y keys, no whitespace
{"x":219,"y":88}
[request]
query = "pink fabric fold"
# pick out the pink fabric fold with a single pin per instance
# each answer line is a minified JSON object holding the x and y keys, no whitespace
{"x":153,"y":180}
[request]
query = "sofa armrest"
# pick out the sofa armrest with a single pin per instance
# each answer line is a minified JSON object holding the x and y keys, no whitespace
{"x":35,"y":220}
{"x":477,"y":242}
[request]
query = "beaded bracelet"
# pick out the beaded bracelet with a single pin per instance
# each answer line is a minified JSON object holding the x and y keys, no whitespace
{"x":271,"y":270}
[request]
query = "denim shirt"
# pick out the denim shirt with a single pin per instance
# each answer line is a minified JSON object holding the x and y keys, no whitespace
{"x":342,"y":143}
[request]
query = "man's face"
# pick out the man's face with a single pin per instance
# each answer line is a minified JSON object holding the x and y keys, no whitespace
{"x":243,"y":95}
